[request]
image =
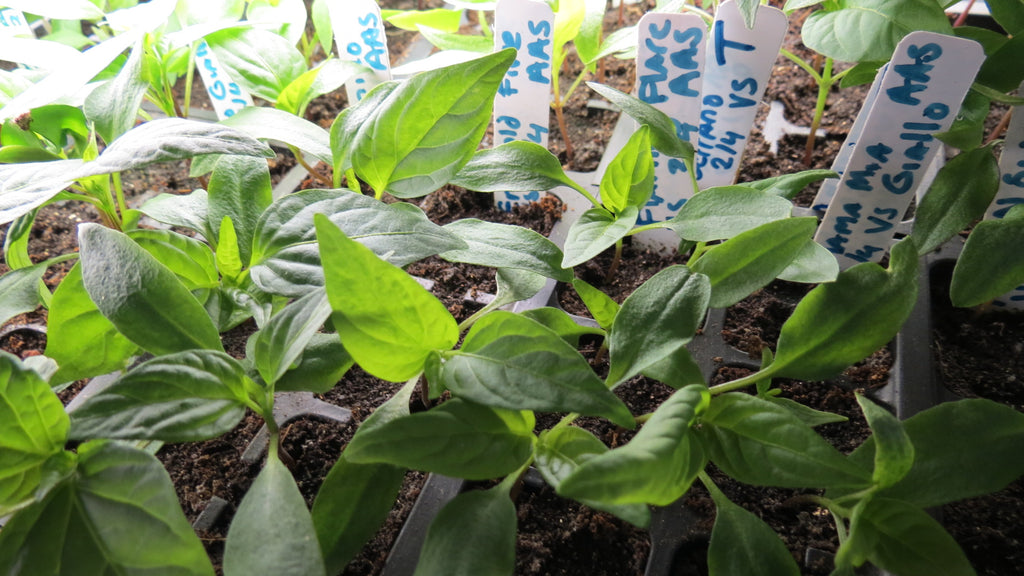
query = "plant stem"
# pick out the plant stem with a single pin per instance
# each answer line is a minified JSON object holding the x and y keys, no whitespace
{"x":468,"y":322}
{"x":312,"y":172}
{"x":563,"y":128}
{"x":698,"y":251}
{"x":748,"y":380}
{"x":819,"y":110}
{"x":484,"y":27}
{"x":190,"y":78}
{"x":616,"y":260}
{"x":353,"y":181}
{"x":122,"y":206}
{"x":1001,"y":127}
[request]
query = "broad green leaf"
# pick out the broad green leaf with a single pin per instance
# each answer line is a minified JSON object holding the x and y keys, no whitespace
{"x":741,"y":543}
{"x":353,"y":502}
{"x":515,"y":284}
{"x":114,"y":106}
{"x":588,"y":40}
{"x":517,"y":166}
{"x":389,"y":336}
{"x":285,"y":258}
{"x":282,"y":341}
{"x":561,"y":323}
{"x":813,"y":264}
{"x":677,"y":370}
{"x":327,"y":77}
{"x":998,"y":71}
{"x":863,"y":30}
{"x":723,"y":212}
{"x":752,"y":259}
{"x":506,"y":246}
{"x":272,"y":532}
{"x":79,"y":337}
{"x":33,"y":429}
{"x":140,"y":296}
{"x":449,"y":41}
{"x":413,"y":145}
{"x":262,"y":62}
{"x":240,"y":189}
{"x":656,"y":467}
{"x":902,"y":539}
{"x":187,"y":211}
{"x":509,"y":361}
{"x":191,"y":261}
{"x":438,"y":19}
{"x":975,"y":446}
{"x":1009,"y":14}
{"x":346,"y":125}
{"x":58,"y":122}
{"x":991,"y":263}
{"x":117,"y":514}
{"x":561,"y":451}
{"x":25,"y":187}
{"x":601,"y":306}
{"x":968,"y":129}
{"x":17,"y":154}
{"x":656,"y":320}
{"x":960,"y":194}
{"x":457,"y":438}
{"x":663,"y":130}
{"x":19,"y":291}
{"x":843,"y":322}
{"x":323,"y":363}
{"x":272,"y":124}
{"x":629,"y":178}
{"x":808,"y":415}
{"x":760,"y":443}
{"x":596,"y":230}
{"x":183,"y":397}
{"x":473,"y":535}
{"x":894,"y":453}
{"x":789,"y":185}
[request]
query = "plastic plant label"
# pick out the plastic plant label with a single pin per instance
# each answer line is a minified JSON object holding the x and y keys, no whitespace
{"x":739,"y":63}
{"x":13,"y":23}
{"x":670,"y":64}
{"x":919,"y":96}
{"x":359,"y":34}
{"x":521,"y":109}
{"x":225,"y":94}
{"x":1011,"y":191}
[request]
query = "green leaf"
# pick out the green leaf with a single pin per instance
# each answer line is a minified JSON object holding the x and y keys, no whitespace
{"x":509,"y":361}
{"x":140,"y":296}
{"x":388,"y":337}
{"x":968,"y":129}
{"x":813,"y":264}
{"x":57,"y":122}
{"x":752,"y":259}
{"x":25,"y":187}
{"x":447,"y":41}
{"x":663,"y":129}
{"x":183,"y":397}
{"x":806,"y":414}
{"x":323,"y":363}
{"x":723,"y":212}
{"x":272,"y":532}
{"x":285,"y":255}
{"x":960,"y":194}
{"x":588,"y":40}
{"x":742,"y":543}
{"x":517,"y":166}
{"x":15,"y":154}
{"x":187,"y":211}
{"x":515,"y":284}
{"x":629,"y":178}
{"x":760,"y":443}
{"x":79,"y":337}
{"x":789,"y":185}
{"x":843,"y":322}
{"x":261,"y":62}
{"x":457,"y":438}
{"x":273,"y":124}
{"x":998,"y":72}
{"x":19,"y":291}
{"x":596,"y":230}
{"x":33,"y":429}
{"x":975,"y":446}
{"x":191,"y":261}
{"x":114,"y":106}
{"x":1009,"y":14}
{"x":15,"y":247}
{"x":600,"y":305}
{"x":413,"y":145}
{"x":677,"y":370}
{"x":347,"y":124}
{"x":902,"y":539}
{"x":473,"y":535}
{"x":117,"y":514}
{"x":656,"y":467}
{"x":894,"y":453}
{"x":282,"y":341}
{"x":561,"y":323}
{"x":561,"y":451}
{"x":438,"y":19}
{"x":991,"y":263}
{"x":352,"y":504}
{"x":657,"y":320}
{"x":289,"y":17}
{"x":240,"y":189}
{"x":327,"y":77}
{"x":506,"y":246}
{"x":863,"y":30}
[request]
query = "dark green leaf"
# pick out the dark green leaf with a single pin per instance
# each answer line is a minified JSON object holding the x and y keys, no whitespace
{"x":656,"y":467}
{"x":894,"y":453}
{"x":677,"y":370}
{"x":998,"y":70}
{"x":506,"y":246}
{"x":960,"y":194}
{"x":741,"y":543}
{"x":272,"y":532}
{"x":723,"y":212}
{"x":187,"y":211}
{"x":656,"y":321}
{"x":968,"y":129}
{"x":19,"y":291}
{"x":992,"y":263}
{"x":323,"y":364}
{"x":282,"y":341}
{"x":183,"y":397}
{"x":663,"y":130}
{"x":561,"y":323}
{"x":517,"y":166}
{"x":629,"y":178}
{"x":1009,"y":14}
{"x":457,"y":438}
{"x":509,"y":361}
{"x":239,"y":189}
{"x":190,"y":260}
{"x":57,"y":122}
{"x":140,"y":296}
{"x":596,"y":230}
{"x":861,"y":73}
{"x":600,"y":305}
{"x":473,"y":535}
{"x":869,"y":30}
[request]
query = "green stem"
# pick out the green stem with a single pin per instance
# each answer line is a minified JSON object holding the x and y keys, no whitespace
{"x":484,"y":27}
{"x":616,"y":260}
{"x":512,"y":480}
{"x":312,"y":172}
{"x":646,"y":228}
{"x":803,"y":64}
{"x":353,"y":181}
{"x":824,"y":86}
{"x":190,"y":78}
{"x":698,"y":251}
{"x":691,"y":169}
{"x":567,"y":420}
{"x":643,"y":418}
{"x":468,"y":322}
{"x":575,"y":84}
{"x":122,"y":206}
{"x":748,"y":380}
{"x":708,"y":483}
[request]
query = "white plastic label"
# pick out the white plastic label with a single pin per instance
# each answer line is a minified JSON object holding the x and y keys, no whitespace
{"x":359,"y":34}
{"x":521,"y":109}
{"x":670,"y":64}
{"x":226,"y":95}
{"x":1011,"y":191}
{"x":739,"y":63}
{"x":13,"y":23}
{"x":920,"y":94}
